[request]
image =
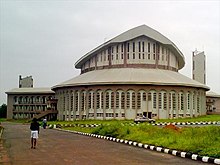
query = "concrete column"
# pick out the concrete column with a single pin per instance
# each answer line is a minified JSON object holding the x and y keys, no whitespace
{"x":147,"y":103}
{"x":95,"y":106}
{"x":157,"y":105}
{"x":87,"y":103}
{"x":195,"y":96}
{"x":177,"y":104}
{"x":79,"y":104}
{"x":114,"y":107}
{"x":185,"y":102}
{"x":125,"y":103}
{"x":104,"y":104}
{"x":74,"y":108}
{"x":168,"y":105}
{"x":191,"y":104}
{"x":135,"y":93}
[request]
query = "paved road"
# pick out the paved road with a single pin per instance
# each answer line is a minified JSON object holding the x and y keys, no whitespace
{"x":63,"y":148}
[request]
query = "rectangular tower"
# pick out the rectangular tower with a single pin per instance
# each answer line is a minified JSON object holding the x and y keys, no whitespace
{"x":199,"y":69}
{"x":26,"y":82}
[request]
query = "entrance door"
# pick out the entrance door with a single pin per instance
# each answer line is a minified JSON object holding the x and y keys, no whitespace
{"x":149,"y":115}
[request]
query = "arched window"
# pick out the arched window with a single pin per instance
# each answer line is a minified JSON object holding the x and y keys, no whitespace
{"x":117,"y":99}
{"x":98,"y":98}
{"x":90,"y":100}
{"x":76,"y":100}
{"x":107,"y":98}
{"x":112,"y":100}
{"x":154,"y":100}
{"x":133,"y":100}
{"x":138,"y":100}
{"x":128,"y":100}
{"x":122,"y":100}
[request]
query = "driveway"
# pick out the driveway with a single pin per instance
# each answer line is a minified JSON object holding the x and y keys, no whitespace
{"x":63,"y":148}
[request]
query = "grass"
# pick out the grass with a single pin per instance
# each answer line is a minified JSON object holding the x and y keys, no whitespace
{"x":201,"y":140}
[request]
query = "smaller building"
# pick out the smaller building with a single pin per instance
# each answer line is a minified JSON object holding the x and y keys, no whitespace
{"x":212,"y":103}
{"x":26,"y":82}
{"x":26,"y":103}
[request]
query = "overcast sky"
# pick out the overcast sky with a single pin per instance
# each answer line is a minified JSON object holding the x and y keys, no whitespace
{"x":44,"y":38}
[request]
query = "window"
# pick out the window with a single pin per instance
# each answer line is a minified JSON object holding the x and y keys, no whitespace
{"x":122,"y":48}
{"x":139,"y":100}
{"x":143,"y":55}
{"x":165,"y":101}
{"x":144,"y":97}
{"x":117,"y":99}
{"x":128,"y":46}
{"x":133,"y":55}
{"x":139,"y":46}
{"x":133,"y":100}
{"x":90,"y":100}
{"x":139,"y":55}
{"x":154,"y":100}
{"x":154,"y":48}
{"x":117,"y":49}
{"x":112,"y":100}
{"x":128,"y":100}
{"x":160,"y":100}
{"x":98,"y":100}
{"x":76,"y":101}
{"x":133,"y":46}
{"x":142,"y":46}
{"x":128,"y":56}
{"x":107,"y":100}
{"x":148,"y":47}
{"x":122,"y":100}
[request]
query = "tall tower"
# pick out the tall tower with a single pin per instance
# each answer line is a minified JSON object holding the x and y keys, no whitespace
{"x":26,"y":82}
{"x":199,"y":69}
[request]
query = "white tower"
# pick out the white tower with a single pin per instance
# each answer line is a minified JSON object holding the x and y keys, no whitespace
{"x":199,"y":69}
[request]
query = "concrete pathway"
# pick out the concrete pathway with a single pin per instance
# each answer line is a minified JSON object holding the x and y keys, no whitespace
{"x":63,"y":148}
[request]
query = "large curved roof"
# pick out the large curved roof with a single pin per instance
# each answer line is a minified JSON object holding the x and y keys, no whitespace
{"x":142,"y":30}
{"x":131,"y":76}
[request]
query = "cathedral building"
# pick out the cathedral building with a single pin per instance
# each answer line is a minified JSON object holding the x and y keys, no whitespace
{"x":131,"y":75}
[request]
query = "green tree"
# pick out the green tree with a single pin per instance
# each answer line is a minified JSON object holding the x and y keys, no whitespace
{"x":3,"y":111}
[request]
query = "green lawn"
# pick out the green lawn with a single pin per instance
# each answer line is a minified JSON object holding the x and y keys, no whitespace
{"x":204,"y":141}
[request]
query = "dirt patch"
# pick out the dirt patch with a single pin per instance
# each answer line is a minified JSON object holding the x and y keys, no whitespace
{"x":172,"y":127}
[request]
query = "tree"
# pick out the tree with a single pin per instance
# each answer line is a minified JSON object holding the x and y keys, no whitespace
{"x":3,"y":111}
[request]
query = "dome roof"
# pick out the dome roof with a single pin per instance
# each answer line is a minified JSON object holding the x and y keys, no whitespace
{"x":131,"y":76}
{"x":142,"y":30}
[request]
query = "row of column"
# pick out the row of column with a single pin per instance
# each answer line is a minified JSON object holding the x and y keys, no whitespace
{"x":161,"y":104}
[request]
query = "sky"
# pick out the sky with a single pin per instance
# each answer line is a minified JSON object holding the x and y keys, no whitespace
{"x":44,"y":38}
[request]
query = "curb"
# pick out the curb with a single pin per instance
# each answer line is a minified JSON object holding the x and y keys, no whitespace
{"x":181,"y":154}
{"x":133,"y":124}
{"x":189,"y":123}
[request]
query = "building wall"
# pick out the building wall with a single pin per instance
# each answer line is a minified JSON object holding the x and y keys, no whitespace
{"x":213,"y":104}
{"x":25,"y":106}
{"x":129,"y":101}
